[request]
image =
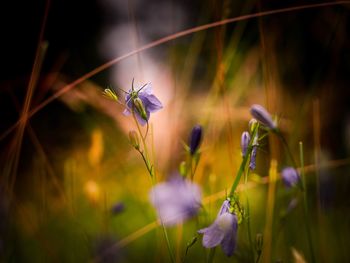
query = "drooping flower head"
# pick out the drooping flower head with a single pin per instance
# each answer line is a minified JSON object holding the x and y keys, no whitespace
{"x":195,"y":138}
{"x":245,"y":139}
{"x":223,"y":231}
{"x":263,"y":116}
{"x":290,"y":177}
{"x":176,"y":200}
{"x":142,"y":102}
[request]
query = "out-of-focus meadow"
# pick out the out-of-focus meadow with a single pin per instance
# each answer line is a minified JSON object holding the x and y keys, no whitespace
{"x":74,"y":189}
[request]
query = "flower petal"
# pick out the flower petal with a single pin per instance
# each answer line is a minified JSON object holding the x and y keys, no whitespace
{"x":225,"y":208}
{"x":213,"y":235}
{"x":150,"y":102}
{"x":146,"y":89}
{"x":262,"y":115}
{"x":175,"y":200}
{"x":229,"y":241}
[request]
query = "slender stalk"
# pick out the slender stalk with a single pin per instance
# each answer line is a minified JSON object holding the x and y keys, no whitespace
{"x":305,"y":205}
{"x":150,"y":171}
{"x":243,"y":164}
{"x":143,"y":139}
{"x":190,"y":167}
{"x":249,"y":232}
{"x":144,"y":155}
{"x":211,"y":255}
{"x":172,"y":258}
{"x":171,"y":255}
{"x":148,"y":166}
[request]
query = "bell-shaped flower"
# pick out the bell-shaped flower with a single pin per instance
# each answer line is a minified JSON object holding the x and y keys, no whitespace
{"x":176,"y":200}
{"x":262,"y":116}
{"x":142,"y":102}
{"x":290,"y":177}
{"x":223,"y":231}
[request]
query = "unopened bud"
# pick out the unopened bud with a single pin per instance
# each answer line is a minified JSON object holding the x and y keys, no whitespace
{"x":134,"y":139}
{"x":195,"y":138}
{"x":263,"y":116}
{"x":109,"y":93}
{"x":290,"y":177}
{"x":252,"y":125}
{"x":255,"y":143}
{"x":245,"y":138}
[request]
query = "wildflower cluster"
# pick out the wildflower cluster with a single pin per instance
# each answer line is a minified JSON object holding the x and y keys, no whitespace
{"x":179,"y":198}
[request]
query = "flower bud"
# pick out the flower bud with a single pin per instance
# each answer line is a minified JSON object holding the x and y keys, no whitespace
{"x":140,"y":108}
{"x":252,"y":125}
{"x":262,"y":116}
{"x":290,"y":177}
{"x":134,"y":139}
{"x":252,"y":163}
{"x":245,"y":138}
{"x":109,"y":93}
{"x":195,"y":138}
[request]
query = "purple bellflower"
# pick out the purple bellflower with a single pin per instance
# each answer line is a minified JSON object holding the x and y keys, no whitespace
{"x":223,"y":231}
{"x":142,"y":102}
{"x":195,"y":138}
{"x":176,"y":200}
{"x":245,"y":139}
{"x":290,"y":177}
{"x":263,"y":116}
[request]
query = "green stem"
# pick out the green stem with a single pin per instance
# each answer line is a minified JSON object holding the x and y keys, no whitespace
{"x":171,"y":254}
{"x":190,"y":166}
{"x":148,"y":166}
{"x":244,"y":163}
{"x":305,"y":205}
{"x":150,"y":171}
{"x":211,"y":255}
{"x":172,"y":257}
{"x":249,"y":231}
{"x":143,"y":139}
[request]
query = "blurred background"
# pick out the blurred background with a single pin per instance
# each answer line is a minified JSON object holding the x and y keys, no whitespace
{"x":73,"y":189}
